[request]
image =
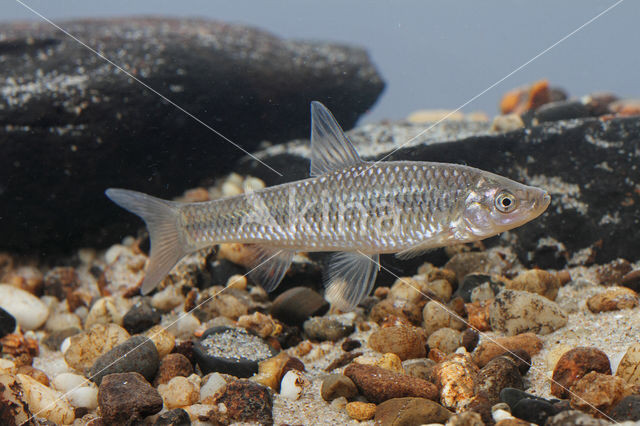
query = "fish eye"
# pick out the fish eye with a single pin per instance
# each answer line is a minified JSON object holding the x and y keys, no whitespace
{"x":505,"y":202}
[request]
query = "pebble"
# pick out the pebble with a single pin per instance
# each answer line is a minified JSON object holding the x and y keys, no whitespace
{"x":85,"y":348}
{"x":500,"y":373}
{"x":625,"y":107}
{"x":407,"y":289}
{"x":126,"y":398}
{"x":574,"y":417}
{"x":210,"y":386}
{"x":176,"y":417}
{"x":292,"y":384}
{"x":536,"y":281}
{"x":336,"y":386}
{"x":573,"y":365}
{"x":140,"y":317}
{"x":220,"y":305}
{"x":629,"y":367}
{"x":488,"y":350}
{"x":562,"y":110}
{"x":7,"y":323}
{"x":613,"y":299}
{"x":513,"y":312}
{"x":598,"y":390}
{"x":611,"y":273}
{"x":350,"y":344}
{"x":168,"y":298}
{"x":246,"y":401}
{"x":333,"y":328}
{"x":183,"y":326}
{"x":389,"y":361}
{"x":631,"y":280}
{"x":179,"y":392}
{"x":171,"y":366}
{"x":478,"y":315}
{"x":534,"y":410}
{"x":470,"y":288}
{"x":456,"y":380}
{"x":378,"y":384}
{"x":410,"y":411}
{"x":445,"y":339}
{"x":439,"y":289}
{"x":297,"y":304}
{"x":406,"y":342}
{"x":506,"y":123}
{"x":104,"y":311}
{"x":138,"y":354}
{"x":627,"y":409}
{"x":361,"y":411}
{"x":34,"y":373}
{"x":420,"y":368}
{"x":164,"y":341}
{"x":434,"y":116}
{"x":469,"y":339}
{"x":45,"y":401}
{"x":271,"y":370}
{"x":483,"y":262}
{"x":7,"y":367}
{"x":260,"y":324}
{"x":14,"y":408}
{"x":81,"y":392}
{"x":62,"y":321}
{"x":231,"y":351}
{"x":24,"y":307}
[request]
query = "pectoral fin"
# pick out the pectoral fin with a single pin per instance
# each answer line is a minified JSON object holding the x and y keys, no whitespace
{"x":350,"y":278}
{"x":268,"y":265}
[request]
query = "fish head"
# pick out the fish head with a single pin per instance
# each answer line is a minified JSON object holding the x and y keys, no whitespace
{"x":496,"y":204}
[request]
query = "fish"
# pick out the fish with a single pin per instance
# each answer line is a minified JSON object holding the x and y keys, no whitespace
{"x":355,"y":208}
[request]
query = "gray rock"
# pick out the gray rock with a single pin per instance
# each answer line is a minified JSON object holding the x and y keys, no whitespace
{"x":73,"y":125}
{"x":142,"y":316}
{"x":138,"y":354}
{"x":328,"y":328}
{"x":127,"y":398}
{"x":588,"y":166}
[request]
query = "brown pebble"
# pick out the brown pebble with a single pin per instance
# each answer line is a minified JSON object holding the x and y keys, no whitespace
{"x":564,"y":277}
{"x":350,"y":344}
{"x":479,"y":315}
{"x":488,"y":350}
{"x":127,"y":398}
{"x":501,"y":372}
{"x":467,"y":418}
{"x":292,"y":364}
{"x":536,"y":281}
{"x":406,"y":342}
{"x":573,"y":365}
{"x":629,"y":367}
{"x":420,"y":368}
{"x":521,"y":358}
{"x":386,"y":309}
{"x":381,"y":292}
{"x":456,"y":379}
{"x":436,"y":355}
{"x":470,"y":339}
{"x":343,"y":360}
{"x":631,"y":280}
{"x":361,"y":411}
{"x":613,"y":299}
{"x":171,"y":366}
{"x":39,"y":375}
{"x":598,"y":390}
{"x":379,"y":385}
{"x":336,"y":386}
{"x":410,"y":411}
{"x":612,"y":272}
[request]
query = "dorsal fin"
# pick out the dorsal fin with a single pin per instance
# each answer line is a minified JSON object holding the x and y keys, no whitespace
{"x":330,"y":147}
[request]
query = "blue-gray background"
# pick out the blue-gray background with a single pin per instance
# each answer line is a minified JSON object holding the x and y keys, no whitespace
{"x":432,"y":54}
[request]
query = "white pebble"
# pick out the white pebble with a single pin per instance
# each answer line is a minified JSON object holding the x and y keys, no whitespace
{"x":251,"y":184}
{"x":83,"y":397}
{"x":292,"y":384}
{"x":229,"y":189}
{"x":179,"y":392}
{"x":65,"y":345}
{"x":183,"y":327}
{"x":7,"y":367}
{"x":214,"y":383}
{"x":28,"y":310}
{"x":501,"y":415}
{"x":64,"y":382}
{"x":167,"y":299}
{"x":114,"y":252}
{"x":45,"y":401}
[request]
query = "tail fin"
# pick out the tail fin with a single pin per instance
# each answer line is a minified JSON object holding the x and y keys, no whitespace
{"x":161,"y":217}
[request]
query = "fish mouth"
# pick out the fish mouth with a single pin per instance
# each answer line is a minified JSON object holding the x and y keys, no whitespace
{"x":543,"y":202}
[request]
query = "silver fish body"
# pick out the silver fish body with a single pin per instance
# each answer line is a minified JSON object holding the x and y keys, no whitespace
{"x":356,"y":208}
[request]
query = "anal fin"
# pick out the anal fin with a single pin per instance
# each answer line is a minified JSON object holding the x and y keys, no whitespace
{"x":268,"y":265}
{"x":350,"y":278}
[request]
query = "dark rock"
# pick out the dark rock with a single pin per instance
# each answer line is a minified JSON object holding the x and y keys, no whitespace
{"x":562,"y":110}
{"x":627,"y":409}
{"x":500,"y":373}
{"x":60,"y":282}
{"x":327,"y":328}
{"x":470,"y":339}
{"x":231,"y":351}
{"x":337,"y":385}
{"x":222,"y":269}
{"x":83,"y":116}
{"x":342,"y":360}
{"x":378,"y":384}
{"x":533,"y":410}
{"x":350,"y":344}
{"x":142,"y":316}
{"x":171,"y":366}
{"x":632,"y":280}
{"x":474,"y":280}
{"x":574,"y":417}
{"x":512,"y":396}
{"x":611,"y":273}
{"x":138,"y":354}
{"x":55,"y":338}
{"x":7,"y":323}
{"x":521,"y":358}
{"x":575,"y":364}
{"x":127,"y":398}
{"x":481,"y":404}
{"x":595,"y":211}
{"x":177,"y":417}
{"x":297,"y":304}
{"x":410,"y":411}
{"x":247,"y":401}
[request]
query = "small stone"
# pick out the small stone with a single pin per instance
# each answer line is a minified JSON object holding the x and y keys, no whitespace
{"x":420,"y":368}
{"x":488,"y":350}
{"x":212,"y":384}
{"x":164,"y":341}
{"x":80,"y":391}
{"x":297,"y":304}
{"x":391,"y":362}
{"x":574,"y":417}
{"x":434,"y":116}
{"x":45,"y":401}
{"x":536,"y":281}
{"x":387,"y":308}
{"x":7,"y":367}
{"x":466,"y":418}
{"x":85,"y":348}
{"x":350,"y":344}
{"x":24,"y":307}
{"x":104,"y":311}
{"x":34,"y":373}
{"x":337,"y":385}
{"x":469,"y":288}
{"x":629,"y":367}
{"x":627,"y":409}
{"x":501,"y":372}
{"x":54,"y":339}
{"x":631,"y":280}
{"x":456,"y":380}
{"x":63,"y":321}
{"x":259,"y":324}
{"x":478,"y":315}
{"x":439,"y":289}
{"x":612,"y":272}
{"x":14,"y":408}
{"x":613,"y":299}
{"x":271,"y":370}
{"x":575,"y":364}
{"x":333,"y":328}
{"x":445,"y":339}
{"x":247,"y":401}
{"x":469,"y":339}
{"x":220,"y":305}
{"x":361,"y":411}
{"x":513,"y":312}
{"x":179,"y":392}
{"x":506,"y":123}
{"x":292,"y":384}
{"x":554,"y":354}
{"x":410,"y":411}
{"x":403,"y":341}
{"x":171,"y":366}
{"x":7,"y":323}
{"x":378,"y":384}
{"x":60,"y":282}
{"x":138,"y":354}
{"x":483,"y":262}
{"x":140,"y":317}
{"x":596,"y":393}
{"x":625,"y":107}
{"x":127,"y":398}
{"x":562,"y":110}
{"x":176,"y":417}
{"x":534,"y":410}
{"x":521,"y":358}
{"x":407,"y":289}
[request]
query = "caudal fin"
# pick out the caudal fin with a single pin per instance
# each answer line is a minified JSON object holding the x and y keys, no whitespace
{"x":161,"y":217}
